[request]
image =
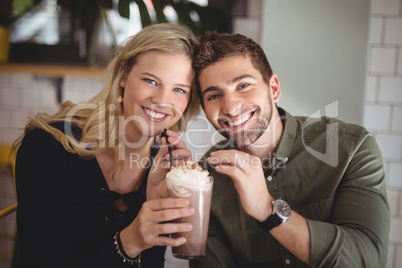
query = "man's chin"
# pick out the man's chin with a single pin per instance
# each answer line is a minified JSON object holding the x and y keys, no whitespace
{"x":240,"y":139}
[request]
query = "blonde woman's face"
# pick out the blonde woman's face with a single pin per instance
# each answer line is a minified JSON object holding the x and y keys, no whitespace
{"x":156,"y":92}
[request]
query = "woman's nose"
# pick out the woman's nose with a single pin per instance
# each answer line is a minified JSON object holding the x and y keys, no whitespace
{"x":162,"y":96}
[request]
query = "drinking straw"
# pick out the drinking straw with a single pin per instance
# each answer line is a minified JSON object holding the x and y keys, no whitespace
{"x":164,"y":134}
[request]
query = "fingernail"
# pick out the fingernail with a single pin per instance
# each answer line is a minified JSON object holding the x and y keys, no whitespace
{"x":188,"y":227}
{"x":181,"y":240}
{"x":191,"y":210}
{"x":185,"y":202}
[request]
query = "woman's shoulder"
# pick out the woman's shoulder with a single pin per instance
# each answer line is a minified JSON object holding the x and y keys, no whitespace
{"x":41,"y":141}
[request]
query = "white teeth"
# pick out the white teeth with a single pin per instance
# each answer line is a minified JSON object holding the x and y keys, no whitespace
{"x":239,"y":122}
{"x":153,"y":114}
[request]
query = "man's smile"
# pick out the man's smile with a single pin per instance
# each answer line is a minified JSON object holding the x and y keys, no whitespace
{"x":239,"y":121}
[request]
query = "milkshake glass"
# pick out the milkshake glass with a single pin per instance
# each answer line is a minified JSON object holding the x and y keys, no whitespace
{"x":192,"y":182}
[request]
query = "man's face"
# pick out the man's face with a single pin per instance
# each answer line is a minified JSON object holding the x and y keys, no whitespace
{"x":237,"y":101}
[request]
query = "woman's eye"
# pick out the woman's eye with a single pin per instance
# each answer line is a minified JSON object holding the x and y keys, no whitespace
{"x":179,"y":90}
{"x":150,"y":81}
{"x":214,"y":96}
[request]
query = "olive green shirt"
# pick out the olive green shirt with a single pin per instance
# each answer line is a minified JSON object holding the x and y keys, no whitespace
{"x":329,"y":172}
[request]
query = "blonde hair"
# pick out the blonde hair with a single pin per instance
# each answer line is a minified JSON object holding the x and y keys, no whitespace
{"x":165,"y":38}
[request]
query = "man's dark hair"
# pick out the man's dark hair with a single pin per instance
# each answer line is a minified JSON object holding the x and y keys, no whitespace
{"x":217,"y":46}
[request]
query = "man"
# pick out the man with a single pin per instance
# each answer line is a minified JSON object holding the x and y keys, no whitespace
{"x":288,"y":191}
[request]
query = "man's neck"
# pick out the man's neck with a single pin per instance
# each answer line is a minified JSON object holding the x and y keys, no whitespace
{"x":266,"y":145}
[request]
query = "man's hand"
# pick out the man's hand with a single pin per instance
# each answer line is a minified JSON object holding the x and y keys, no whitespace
{"x":248,"y":177}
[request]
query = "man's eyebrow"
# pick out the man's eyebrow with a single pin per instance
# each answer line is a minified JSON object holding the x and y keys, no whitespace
{"x":241,"y":77}
{"x":209,"y":89}
{"x":232,"y":81}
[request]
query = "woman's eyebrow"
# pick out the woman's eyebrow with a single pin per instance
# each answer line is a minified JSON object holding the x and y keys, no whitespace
{"x":157,"y":78}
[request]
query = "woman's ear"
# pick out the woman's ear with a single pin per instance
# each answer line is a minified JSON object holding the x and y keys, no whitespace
{"x":123,"y":80}
{"x":122,"y":83}
{"x":275,"y":87}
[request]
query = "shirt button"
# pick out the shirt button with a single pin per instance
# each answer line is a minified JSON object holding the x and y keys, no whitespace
{"x":269,"y":178}
{"x":287,"y":261}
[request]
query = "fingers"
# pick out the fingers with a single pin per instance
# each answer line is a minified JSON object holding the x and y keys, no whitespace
{"x":166,"y":203}
{"x":163,"y":148}
{"x":179,"y":148}
{"x":248,"y":178}
{"x":175,"y":140}
{"x":167,"y":241}
{"x":180,"y":154}
{"x":156,"y":217}
{"x":234,"y":159}
{"x":171,"y":214}
{"x":166,"y":209}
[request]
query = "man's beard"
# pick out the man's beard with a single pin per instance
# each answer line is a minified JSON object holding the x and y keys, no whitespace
{"x":249,"y":135}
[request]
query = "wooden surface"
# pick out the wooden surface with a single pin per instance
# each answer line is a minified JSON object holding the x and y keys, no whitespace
{"x":52,"y":70}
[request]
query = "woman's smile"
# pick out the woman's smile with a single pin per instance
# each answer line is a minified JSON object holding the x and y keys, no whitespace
{"x":154,"y":115}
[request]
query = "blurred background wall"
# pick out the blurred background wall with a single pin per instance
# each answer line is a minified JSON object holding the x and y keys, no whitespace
{"x":318,"y":50}
{"x":345,"y":55}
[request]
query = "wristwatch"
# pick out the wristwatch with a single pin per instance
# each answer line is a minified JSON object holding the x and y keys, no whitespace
{"x":281,"y":213}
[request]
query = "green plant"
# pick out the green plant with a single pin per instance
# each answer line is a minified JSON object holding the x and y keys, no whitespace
{"x":209,"y":19}
{"x":10,"y":10}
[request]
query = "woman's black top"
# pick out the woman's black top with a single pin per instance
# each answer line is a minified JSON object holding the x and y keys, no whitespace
{"x":65,"y":215}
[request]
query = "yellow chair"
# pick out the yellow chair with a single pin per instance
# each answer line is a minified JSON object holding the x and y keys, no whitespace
{"x":7,"y":164}
{"x":8,"y":210}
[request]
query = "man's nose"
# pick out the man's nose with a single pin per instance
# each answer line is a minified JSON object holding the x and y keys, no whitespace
{"x":231,"y":105}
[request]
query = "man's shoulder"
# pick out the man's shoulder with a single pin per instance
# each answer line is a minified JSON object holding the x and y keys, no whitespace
{"x":323,"y":124}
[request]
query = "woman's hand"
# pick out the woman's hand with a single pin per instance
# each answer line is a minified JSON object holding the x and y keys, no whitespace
{"x":153,"y":221}
{"x":156,"y":187}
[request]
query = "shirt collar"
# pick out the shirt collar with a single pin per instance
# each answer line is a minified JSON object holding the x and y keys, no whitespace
{"x":288,"y":137}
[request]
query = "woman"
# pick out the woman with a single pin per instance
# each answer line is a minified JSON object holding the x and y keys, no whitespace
{"x":90,"y":178}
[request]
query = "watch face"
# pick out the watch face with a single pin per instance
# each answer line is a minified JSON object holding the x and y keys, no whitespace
{"x":283,"y":209}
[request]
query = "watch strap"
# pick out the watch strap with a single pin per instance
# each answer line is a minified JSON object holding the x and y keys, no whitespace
{"x":272,"y":221}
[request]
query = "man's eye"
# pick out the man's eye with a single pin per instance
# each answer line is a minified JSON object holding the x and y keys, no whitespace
{"x":214,"y":96}
{"x":243,"y":86}
{"x":150,"y":81}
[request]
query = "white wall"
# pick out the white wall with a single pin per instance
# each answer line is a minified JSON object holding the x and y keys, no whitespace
{"x":383,"y":107}
{"x":318,"y":50}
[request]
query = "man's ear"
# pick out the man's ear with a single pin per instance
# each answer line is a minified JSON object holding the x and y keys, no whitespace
{"x":275,"y":87}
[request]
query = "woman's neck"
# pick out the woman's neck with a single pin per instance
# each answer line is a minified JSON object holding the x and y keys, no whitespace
{"x":127,"y":178}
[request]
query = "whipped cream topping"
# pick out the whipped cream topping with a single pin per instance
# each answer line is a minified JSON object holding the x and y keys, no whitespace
{"x":189,"y":171}
{"x":188,"y":175}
